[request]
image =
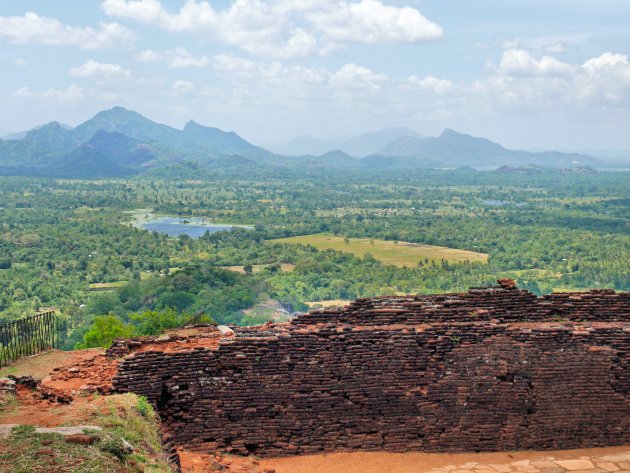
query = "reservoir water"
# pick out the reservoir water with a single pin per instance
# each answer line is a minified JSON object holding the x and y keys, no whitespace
{"x":194,"y":227}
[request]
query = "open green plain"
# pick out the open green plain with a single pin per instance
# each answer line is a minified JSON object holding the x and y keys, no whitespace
{"x":397,"y":253}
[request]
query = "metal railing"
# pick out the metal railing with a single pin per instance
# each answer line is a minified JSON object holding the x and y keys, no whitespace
{"x":27,"y":336}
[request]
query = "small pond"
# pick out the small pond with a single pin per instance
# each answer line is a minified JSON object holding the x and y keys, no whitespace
{"x":194,"y":227}
{"x":494,"y":202}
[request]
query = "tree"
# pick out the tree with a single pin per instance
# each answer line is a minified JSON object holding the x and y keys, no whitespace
{"x":104,"y":330}
{"x":154,"y":322}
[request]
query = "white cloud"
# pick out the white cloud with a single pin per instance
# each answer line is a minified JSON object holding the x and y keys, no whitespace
{"x":549,"y":44}
{"x":183,"y":87}
{"x":605,"y":79}
{"x":97,"y":69}
{"x":432,"y":84}
{"x":149,"y":55}
{"x":347,"y":78}
{"x":371,"y":22}
{"x":356,"y":77}
{"x":273,"y":73}
{"x":176,"y":58}
{"x":517,"y":62}
{"x":286,"y":28}
{"x":605,"y":60}
{"x":299,"y":43}
{"x":522,"y":83}
{"x":72,"y":93}
{"x":32,"y":28}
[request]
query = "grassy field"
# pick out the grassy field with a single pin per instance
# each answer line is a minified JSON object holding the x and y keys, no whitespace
{"x":257,"y":268}
{"x":328,"y":303}
{"x":107,"y":286}
{"x":401,"y":254}
{"x":571,"y":289}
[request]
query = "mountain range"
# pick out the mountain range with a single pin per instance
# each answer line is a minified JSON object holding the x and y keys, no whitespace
{"x":120,"y":142}
{"x":455,"y":149}
{"x":357,"y":146}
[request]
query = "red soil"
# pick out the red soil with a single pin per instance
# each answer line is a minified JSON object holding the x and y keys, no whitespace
{"x":382,"y":462}
{"x":90,"y":374}
{"x":415,"y":462}
{"x":73,"y":377}
{"x":184,"y":344}
{"x":202,"y":463}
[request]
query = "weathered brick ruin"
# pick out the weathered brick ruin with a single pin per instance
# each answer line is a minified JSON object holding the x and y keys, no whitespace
{"x":490,"y":369}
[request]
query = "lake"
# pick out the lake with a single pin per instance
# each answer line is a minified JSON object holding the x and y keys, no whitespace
{"x":494,"y":203}
{"x":194,"y":227}
{"x":501,"y":203}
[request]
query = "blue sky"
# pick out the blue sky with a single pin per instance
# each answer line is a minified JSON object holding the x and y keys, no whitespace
{"x":535,"y":74}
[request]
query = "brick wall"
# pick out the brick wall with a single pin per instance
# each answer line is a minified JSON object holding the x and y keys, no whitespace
{"x":491,"y":369}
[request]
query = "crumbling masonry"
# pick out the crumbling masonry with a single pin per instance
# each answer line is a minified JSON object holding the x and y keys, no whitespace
{"x":490,"y":369}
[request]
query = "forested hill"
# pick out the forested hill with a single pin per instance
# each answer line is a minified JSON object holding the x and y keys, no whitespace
{"x":120,"y":142}
{"x":457,"y":149}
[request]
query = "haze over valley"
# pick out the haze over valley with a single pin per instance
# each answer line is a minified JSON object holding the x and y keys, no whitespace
{"x":121,"y":142}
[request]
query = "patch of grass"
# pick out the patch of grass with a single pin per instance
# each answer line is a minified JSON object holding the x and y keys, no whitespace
{"x":132,"y":418}
{"x":24,"y":451}
{"x":125,"y":416}
{"x":144,"y":408}
{"x":396,"y":253}
{"x":107,"y":286}
{"x":8,"y":404}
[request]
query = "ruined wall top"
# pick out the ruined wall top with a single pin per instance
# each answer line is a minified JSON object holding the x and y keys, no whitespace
{"x":501,"y":304}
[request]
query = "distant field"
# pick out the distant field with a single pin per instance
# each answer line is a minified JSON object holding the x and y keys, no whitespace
{"x":328,"y":303}
{"x":107,"y":286}
{"x":571,"y":289}
{"x":401,"y":254}
{"x":256,"y":268}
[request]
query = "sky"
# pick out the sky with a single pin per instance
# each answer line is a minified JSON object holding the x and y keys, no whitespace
{"x":536,"y":74}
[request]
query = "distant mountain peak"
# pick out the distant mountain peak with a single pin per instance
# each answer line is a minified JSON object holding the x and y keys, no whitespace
{"x":357,"y":146}
{"x":192,"y":124}
{"x":337,"y":153}
{"x":449,"y":133}
{"x":457,"y":149}
{"x":118,"y":112}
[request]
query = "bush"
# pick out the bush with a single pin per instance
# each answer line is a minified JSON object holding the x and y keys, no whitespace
{"x":144,"y":407}
{"x":154,"y":322}
{"x":104,"y":330}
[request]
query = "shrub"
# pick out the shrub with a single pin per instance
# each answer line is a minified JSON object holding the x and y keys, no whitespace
{"x":104,"y":330}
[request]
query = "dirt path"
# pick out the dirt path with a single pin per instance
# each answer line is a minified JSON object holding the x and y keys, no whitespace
{"x":38,"y":366}
{"x":31,"y":408}
{"x":596,"y":460}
